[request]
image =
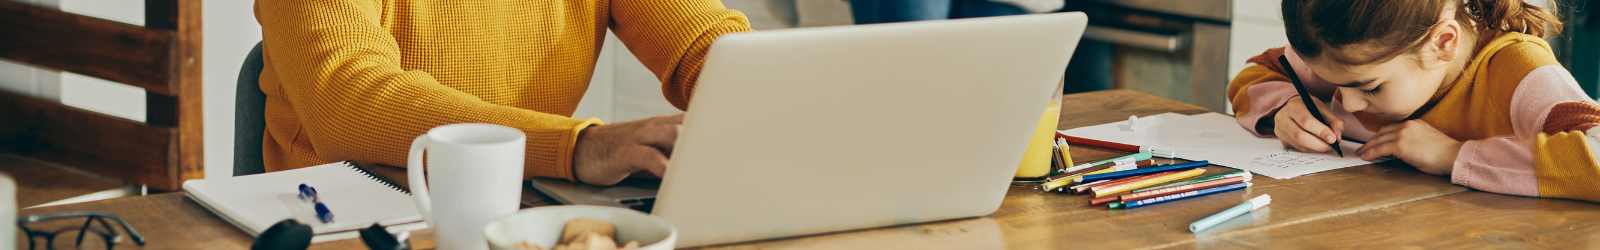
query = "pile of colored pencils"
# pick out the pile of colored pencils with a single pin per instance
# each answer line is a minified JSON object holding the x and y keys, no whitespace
{"x":1134,"y":180}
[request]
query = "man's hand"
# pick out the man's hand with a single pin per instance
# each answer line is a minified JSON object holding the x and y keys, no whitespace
{"x":607,"y":154}
{"x":1416,"y":143}
{"x":1296,"y":128}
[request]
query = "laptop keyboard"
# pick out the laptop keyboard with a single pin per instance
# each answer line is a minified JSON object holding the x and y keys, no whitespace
{"x":643,"y":204}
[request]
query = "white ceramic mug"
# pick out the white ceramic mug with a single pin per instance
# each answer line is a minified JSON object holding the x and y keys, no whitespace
{"x":476,"y":172}
{"x":8,"y":211}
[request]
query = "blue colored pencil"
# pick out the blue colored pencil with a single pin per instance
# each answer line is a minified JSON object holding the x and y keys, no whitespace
{"x":1144,"y":171}
{"x":1181,"y":196}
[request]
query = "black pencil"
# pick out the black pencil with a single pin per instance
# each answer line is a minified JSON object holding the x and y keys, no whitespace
{"x":1305,"y":96}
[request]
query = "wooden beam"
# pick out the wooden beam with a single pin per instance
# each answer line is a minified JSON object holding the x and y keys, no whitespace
{"x":101,"y":144}
{"x":91,"y":46}
{"x":184,"y":18}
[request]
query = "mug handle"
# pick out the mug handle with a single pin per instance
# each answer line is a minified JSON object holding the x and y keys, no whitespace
{"x":414,"y":176}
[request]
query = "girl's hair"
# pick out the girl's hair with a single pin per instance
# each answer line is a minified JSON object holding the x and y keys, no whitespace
{"x":1399,"y":26}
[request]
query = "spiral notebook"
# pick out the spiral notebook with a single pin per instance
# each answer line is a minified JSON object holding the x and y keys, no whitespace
{"x":357,"y":198}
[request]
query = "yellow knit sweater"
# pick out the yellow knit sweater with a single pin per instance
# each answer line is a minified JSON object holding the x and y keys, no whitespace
{"x":358,"y":79}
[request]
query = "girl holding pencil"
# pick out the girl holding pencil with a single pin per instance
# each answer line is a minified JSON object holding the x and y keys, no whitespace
{"x":1467,"y":89}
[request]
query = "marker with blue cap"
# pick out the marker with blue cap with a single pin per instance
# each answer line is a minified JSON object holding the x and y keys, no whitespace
{"x":1230,"y":213}
{"x":308,"y":193}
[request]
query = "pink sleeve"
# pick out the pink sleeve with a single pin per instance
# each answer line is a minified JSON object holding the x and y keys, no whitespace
{"x":1501,"y":165}
{"x":1268,"y":97}
{"x":1505,"y":164}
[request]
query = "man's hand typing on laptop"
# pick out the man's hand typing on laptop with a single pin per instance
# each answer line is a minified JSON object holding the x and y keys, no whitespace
{"x":607,"y":154}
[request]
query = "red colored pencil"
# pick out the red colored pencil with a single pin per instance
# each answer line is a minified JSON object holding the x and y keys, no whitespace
{"x":1077,"y":141}
{"x":1102,"y":200}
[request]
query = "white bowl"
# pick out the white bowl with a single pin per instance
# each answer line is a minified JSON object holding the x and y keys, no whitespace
{"x":542,"y":226}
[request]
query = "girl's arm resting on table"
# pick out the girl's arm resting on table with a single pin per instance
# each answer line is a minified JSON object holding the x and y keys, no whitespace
{"x":1554,"y":150}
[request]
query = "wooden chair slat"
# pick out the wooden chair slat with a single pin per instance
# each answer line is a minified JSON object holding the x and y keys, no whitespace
{"x":98,"y":143}
{"x":91,"y":46}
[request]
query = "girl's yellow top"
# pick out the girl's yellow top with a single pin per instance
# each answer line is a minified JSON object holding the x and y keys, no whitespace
{"x":1527,"y":128}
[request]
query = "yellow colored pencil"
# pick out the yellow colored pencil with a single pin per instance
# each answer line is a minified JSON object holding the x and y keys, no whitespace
{"x":1113,"y":190}
{"x":1058,"y":183}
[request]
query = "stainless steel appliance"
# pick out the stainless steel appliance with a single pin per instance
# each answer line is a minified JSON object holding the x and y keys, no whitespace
{"x":1173,"y":48}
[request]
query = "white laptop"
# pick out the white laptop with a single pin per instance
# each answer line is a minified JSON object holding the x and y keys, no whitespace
{"x":814,"y":130}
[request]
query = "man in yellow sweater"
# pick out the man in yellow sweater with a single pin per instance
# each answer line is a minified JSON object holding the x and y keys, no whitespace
{"x":358,"y":79}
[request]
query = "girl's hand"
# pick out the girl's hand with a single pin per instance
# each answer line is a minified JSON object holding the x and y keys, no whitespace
{"x":1296,"y":128}
{"x":1416,"y":143}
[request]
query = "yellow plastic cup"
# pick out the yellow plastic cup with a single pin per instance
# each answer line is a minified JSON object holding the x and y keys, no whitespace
{"x":1036,"y":159}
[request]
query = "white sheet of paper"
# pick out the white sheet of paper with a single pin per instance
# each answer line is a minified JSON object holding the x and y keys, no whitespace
{"x":1218,"y":138}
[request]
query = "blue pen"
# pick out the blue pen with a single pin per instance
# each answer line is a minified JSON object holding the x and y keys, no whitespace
{"x":1182,"y":196}
{"x":1144,"y":171}
{"x":308,"y":193}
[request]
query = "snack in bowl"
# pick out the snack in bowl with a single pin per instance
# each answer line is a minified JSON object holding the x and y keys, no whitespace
{"x":579,"y":227}
{"x":585,"y":234}
{"x":586,"y":227}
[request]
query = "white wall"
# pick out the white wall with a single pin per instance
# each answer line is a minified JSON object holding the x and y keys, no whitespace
{"x":1257,"y":26}
{"x":623,"y":89}
{"x":229,"y":29}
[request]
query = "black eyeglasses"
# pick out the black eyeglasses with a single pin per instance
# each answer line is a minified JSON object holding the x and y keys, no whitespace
{"x":291,"y":234}
{"x":105,"y":231}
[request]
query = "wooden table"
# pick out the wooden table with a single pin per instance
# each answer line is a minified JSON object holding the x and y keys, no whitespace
{"x":40,"y":182}
{"x":1377,"y":205}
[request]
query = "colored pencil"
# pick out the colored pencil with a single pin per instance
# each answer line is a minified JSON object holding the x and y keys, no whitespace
{"x":1101,"y":168}
{"x":1206,"y":181}
{"x":1179,"y":196}
{"x":1145,"y":171}
{"x":1112,"y":190}
{"x":1134,"y":157}
{"x":1056,"y":184}
{"x":1134,"y":196}
{"x":1081,"y":187}
{"x":1102,"y":183}
{"x":1078,"y":178}
{"x":1056,"y":162}
{"x":1085,"y":186}
{"x":1065,"y":152}
{"x":1102,"y":200}
{"x":1203,"y":178}
{"x":1097,"y":143}
{"x":1086,"y":170}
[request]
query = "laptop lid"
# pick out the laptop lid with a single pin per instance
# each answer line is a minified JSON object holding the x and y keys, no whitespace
{"x":806,"y":131}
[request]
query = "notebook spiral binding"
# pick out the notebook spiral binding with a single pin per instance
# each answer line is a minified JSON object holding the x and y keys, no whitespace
{"x":375,"y":177}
